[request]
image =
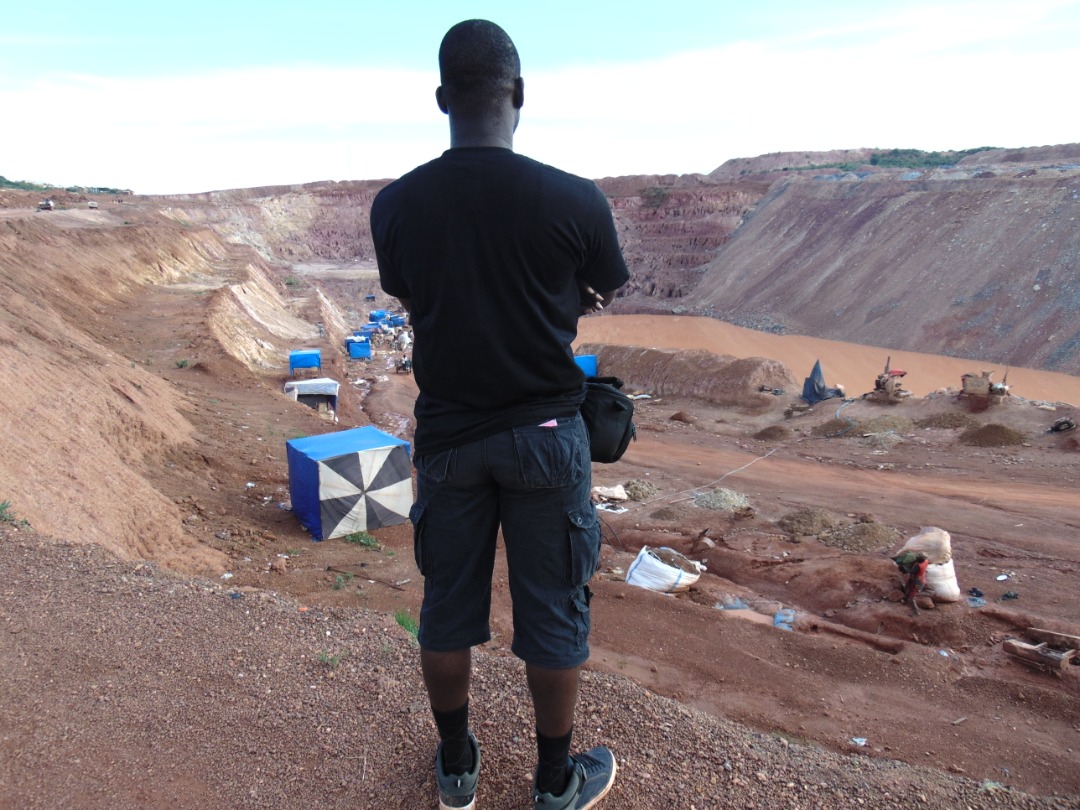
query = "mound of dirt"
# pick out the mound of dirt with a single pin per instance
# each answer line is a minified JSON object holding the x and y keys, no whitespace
{"x":862,"y":537}
{"x":948,"y":420}
{"x":640,"y":490}
{"x":809,"y":522}
{"x":772,"y":433}
{"x":742,"y":383}
{"x":881,"y":441}
{"x":721,"y":500}
{"x":992,"y":435}
{"x":672,"y":512}
{"x":837,"y":427}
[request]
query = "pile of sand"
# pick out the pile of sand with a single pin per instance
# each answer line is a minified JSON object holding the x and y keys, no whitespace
{"x":772,"y":433}
{"x":862,"y":537}
{"x":640,"y":490}
{"x":837,"y":427}
{"x":948,"y":420}
{"x":809,"y":522}
{"x":721,"y":500}
{"x":992,"y":435}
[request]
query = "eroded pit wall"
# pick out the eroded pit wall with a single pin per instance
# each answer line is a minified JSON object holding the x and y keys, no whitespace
{"x":253,"y":323}
{"x":81,"y":423}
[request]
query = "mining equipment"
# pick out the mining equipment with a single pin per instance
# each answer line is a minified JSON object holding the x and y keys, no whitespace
{"x":888,"y":386}
{"x":980,"y":387}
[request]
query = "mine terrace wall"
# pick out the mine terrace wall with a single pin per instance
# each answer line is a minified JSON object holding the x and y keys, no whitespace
{"x":978,"y":260}
{"x":957,"y":263}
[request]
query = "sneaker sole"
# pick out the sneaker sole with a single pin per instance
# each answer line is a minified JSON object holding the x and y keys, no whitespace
{"x":470,"y":806}
{"x":604,"y":792}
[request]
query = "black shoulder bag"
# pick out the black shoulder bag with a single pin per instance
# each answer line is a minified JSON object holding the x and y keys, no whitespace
{"x":609,"y":416}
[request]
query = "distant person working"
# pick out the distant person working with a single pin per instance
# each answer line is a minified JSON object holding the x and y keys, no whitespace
{"x":495,"y":256}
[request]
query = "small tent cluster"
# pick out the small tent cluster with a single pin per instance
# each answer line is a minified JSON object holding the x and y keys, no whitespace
{"x":351,"y":480}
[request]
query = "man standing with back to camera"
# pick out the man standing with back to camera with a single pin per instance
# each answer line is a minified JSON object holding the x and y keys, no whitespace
{"x":495,"y":256}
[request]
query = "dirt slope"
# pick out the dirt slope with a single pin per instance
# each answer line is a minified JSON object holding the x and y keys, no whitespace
{"x":955,"y":262}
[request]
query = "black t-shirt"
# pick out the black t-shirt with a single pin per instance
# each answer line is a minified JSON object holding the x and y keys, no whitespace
{"x":490,"y":246}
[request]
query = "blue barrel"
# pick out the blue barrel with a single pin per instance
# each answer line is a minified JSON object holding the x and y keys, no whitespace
{"x":587,"y":363}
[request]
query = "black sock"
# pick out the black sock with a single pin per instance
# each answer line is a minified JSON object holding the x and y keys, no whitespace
{"x":454,"y":733}
{"x":553,"y":770}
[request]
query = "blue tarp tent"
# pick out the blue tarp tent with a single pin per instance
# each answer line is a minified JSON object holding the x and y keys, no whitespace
{"x":349,"y":481}
{"x":358,"y":347}
{"x":814,"y":389}
{"x":304,"y":358}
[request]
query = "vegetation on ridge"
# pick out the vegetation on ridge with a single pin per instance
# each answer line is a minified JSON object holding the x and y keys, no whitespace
{"x":24,"y":185}
{"x":904,"y":159}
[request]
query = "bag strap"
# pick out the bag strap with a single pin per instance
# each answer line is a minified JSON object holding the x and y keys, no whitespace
{"x":614,"y":382}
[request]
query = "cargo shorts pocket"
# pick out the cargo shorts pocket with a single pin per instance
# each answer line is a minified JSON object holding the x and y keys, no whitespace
{"x":423,"y":561}
{"x":438,"y":468}
{"x":584,"y":537}
{"x":550,"y":457}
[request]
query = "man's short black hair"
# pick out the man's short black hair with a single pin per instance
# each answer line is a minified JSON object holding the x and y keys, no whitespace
{"x":478,"y":64}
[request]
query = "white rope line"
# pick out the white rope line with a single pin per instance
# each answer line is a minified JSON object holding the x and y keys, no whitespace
{"x":711,"y":483}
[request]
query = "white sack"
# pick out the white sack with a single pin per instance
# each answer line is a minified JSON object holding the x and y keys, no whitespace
{"x":935,"y":543}
{"x":941,"y":582}
{"x":664,"y":570}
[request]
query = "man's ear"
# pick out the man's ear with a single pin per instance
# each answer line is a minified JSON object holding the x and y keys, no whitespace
{"x":440,"y":99}
{"x":518,"y":96}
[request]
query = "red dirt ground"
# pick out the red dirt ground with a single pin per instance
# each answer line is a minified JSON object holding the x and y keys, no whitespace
{"x":934,"y":689}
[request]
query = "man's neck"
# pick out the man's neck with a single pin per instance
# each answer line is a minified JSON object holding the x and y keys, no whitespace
{"x":465,"y":133}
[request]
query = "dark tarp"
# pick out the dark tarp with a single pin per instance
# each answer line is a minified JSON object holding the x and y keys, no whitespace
{"x":814,"y":389}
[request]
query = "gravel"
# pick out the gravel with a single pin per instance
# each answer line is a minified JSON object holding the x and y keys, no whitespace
{"x":128,"y":686}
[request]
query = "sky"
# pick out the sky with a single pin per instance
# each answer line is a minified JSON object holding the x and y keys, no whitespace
{"x":200,"y":96}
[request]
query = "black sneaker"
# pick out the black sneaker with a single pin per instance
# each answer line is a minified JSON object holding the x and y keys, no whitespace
{"x":591,"y":779}
{"x":458,"y":792}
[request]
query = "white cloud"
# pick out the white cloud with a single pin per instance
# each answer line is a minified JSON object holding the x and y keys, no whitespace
{"x":944,"y":78}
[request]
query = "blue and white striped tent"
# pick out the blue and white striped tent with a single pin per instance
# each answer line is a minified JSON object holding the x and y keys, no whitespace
{"x":350,"y":481}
